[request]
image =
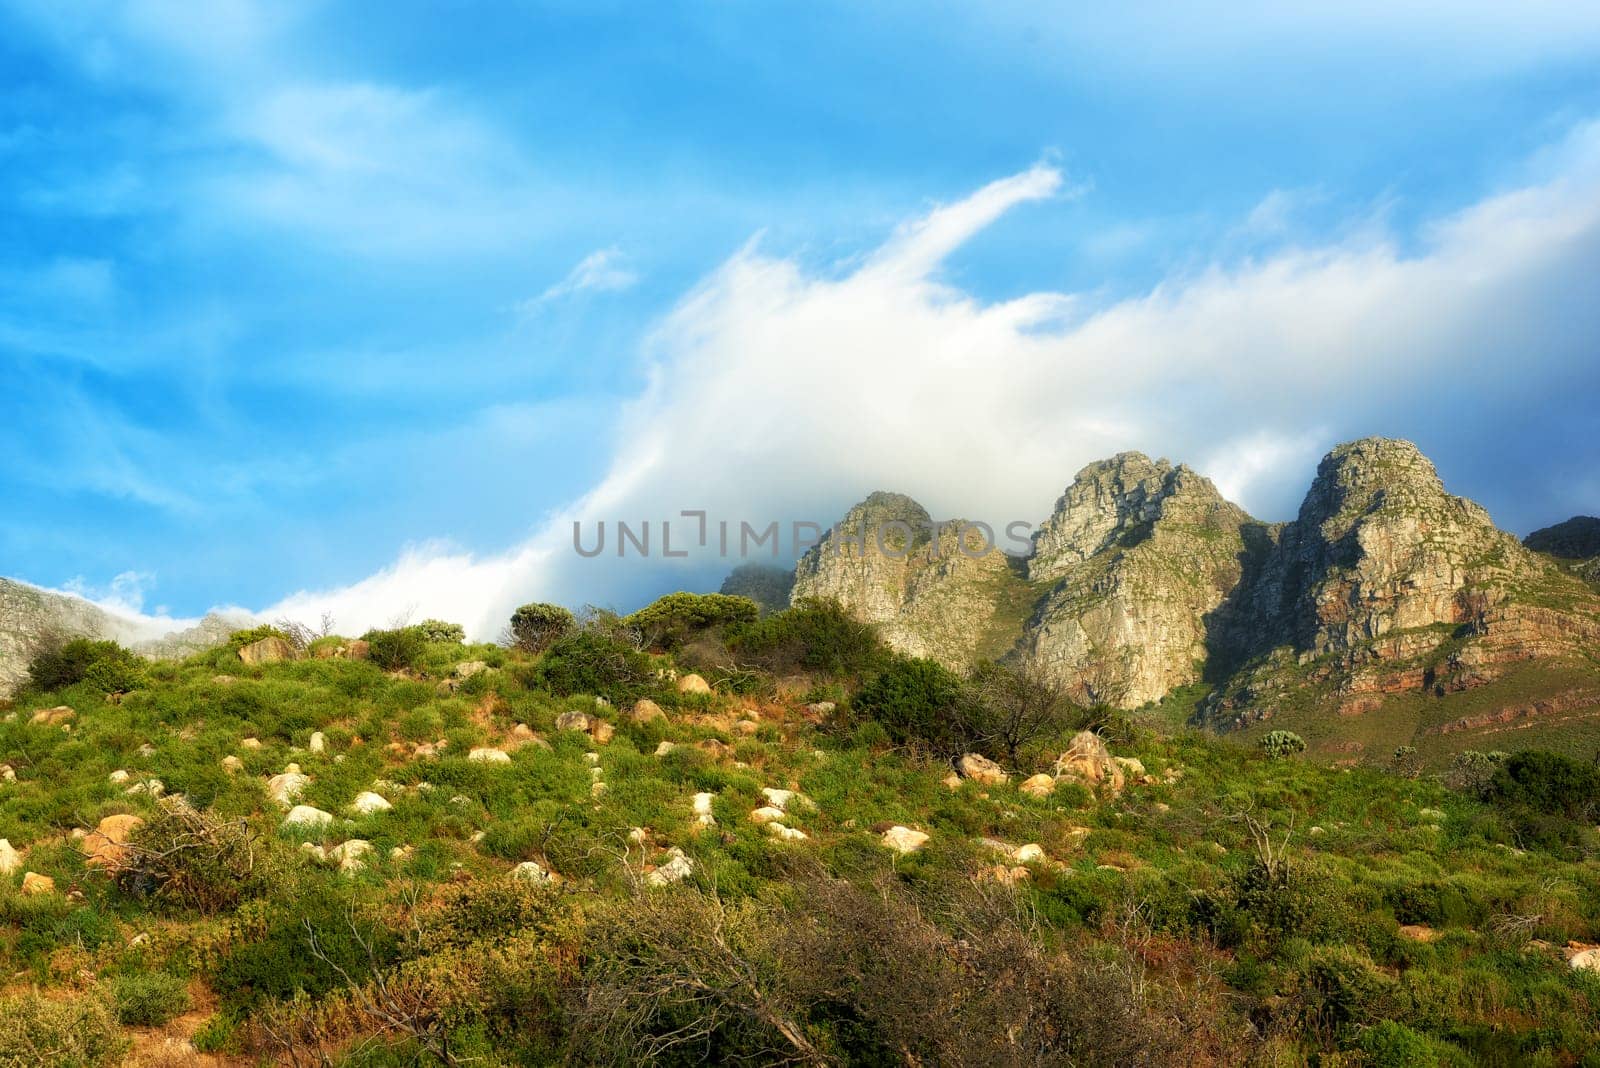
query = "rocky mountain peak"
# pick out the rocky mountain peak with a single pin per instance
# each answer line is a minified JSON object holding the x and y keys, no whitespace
{"x":1376,"y":477}
{"x":1116,"y":501}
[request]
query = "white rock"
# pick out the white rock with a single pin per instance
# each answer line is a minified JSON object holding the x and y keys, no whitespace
{"x":286,"y":788}
{"x":677,"y":868}
{"x":318,"y":743}
{"x":232,"y":764}
{"x":468,"y":668}
{"x":486,"y":755}
{"x":1029,"y":854}
{"x":250,"y":743}
{"x":596,"y":789}
{"x":904,"y":839}
{"x":310,"y":818}
{"x":367,"y":803}
{"x":401,"y":852}
{"x":592,"y":758}
{"x":316,"y":852}
{"x":981,"y":769}
{"x":664,"y":748}
{"x":147,"y":750}
{"x":766,"y":814}
{"x":10,"y":859}
{"x":119,"y":777}
{"x":1588,"y":960}
{"x":781,"y":799}
{"x":595,"y":773}
{"x":351,"y":855}
{"x":8,"y":773}
{"x":530,"y":871}
{"x":702,"y":810}
{"x":153,"y":787}
{"x":638,"y":836}
{"x":787,"y":834}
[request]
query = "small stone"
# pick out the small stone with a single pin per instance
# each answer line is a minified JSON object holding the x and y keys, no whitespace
{"x":780,"y":799}
{"x":250,"y":743}
{"x":401,"y":852}
{"x":821,"y":708}
{"x":150,"y":787}
{"x":1031,"y":853}
{"x":596,"y":789}
{"x":981,"y":769}
{"x":118,"y":777}
{"x":232,"y":764}
{"x":591,"y":758}
{"x":951,"y":781}
{"x":1041,"y":785}
{"x":351,"y":855}
{"x":318,"y":743}
{"x":531,"y":871}
{"x":677,"y":868}
{"x":602,"y":732}
{"x":1587,"y":960}
{"x":702,"y":810}
{"x":468,"y":668}
{"x":645,"y":711}
{"x":638,"y":836}
{"x":573,"y":720}
{"x":766,"y":814}
{"x":746,"y":727}
{"x":664,"y":748}
{"x":904,"y":839}
{"x":52,"y":716}
{"x":8,"y":773}
{"x":787,"y":834}
{"x":10,"y":859}
{"x":487,"y":755}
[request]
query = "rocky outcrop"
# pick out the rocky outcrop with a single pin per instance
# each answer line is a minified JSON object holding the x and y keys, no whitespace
{"x":1385,"y":583}
{"x":1577,"y":538}
{"x":890,"y":564}
{"x":1138,"y":553}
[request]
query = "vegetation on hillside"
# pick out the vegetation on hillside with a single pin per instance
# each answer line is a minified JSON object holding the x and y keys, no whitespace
{"x":565,"y":850}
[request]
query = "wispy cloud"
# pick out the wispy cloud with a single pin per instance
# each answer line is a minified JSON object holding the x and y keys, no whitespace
{"x":604,"y":270}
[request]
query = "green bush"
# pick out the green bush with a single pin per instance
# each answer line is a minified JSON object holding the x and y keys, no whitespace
{"x":917,"y":701}
{"x":595,"y":659}
{"x":148,"y":999}
{"x":76,"y":1033}
{"x":104,"y":665}
{"x":668,"y":621}
{"x":814,"y":635}
{"x":241,"y":638}
{"x":435,"y":630}
{"x":1471,"y":772}
{"x":1279,"y":744}
{"x":190,"y":858}
{"x":394,"y":650}
{"x":536,"y":625}
{"x":1391,"y":1044}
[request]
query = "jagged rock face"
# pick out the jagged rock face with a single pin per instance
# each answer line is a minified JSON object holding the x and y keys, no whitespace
{"x":1386,"y":583}
{"x":887,"y":565}
{"x":1141,"y":553}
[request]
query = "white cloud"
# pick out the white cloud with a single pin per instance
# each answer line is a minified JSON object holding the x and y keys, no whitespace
{"x":780,"y":392}
{"x":604,"y":270}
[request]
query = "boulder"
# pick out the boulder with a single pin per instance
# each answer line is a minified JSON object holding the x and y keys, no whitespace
{"x":286,"y":788}
{"x":663,"y":748}
{"x":10,"y":859}
{"x":1088,"y":760}
{"x":267,"y":651}
{"x":677,"y":868}
{"x":351,"y":855}
{"x":903,"y":839}
{"x":702,"y":810}
{"x":1031,"y":853}
{"x":574,"y":720}
{"x":51,"y":717}
{"x":318,"y":743}
{"x":232,"y":764}
{"x":766,"y":814}
{"x":118,"y":777}
{"x":487,"y":755}
{"x":645,"y":710}
{"x":1588,"y":960}
{"x":693,"y":684}
{"x":304,"y":816}
{"x":34,"y":884}
{"x":601,"y":731}
{"x":468,"y":668}
{"x":786,"y":834}
{"x":250,"y":743}
{"x":8,"y":773}
{"x":106,"y":846}
{"x":1040,"y":785}
{"x":981,"y":769}
{"x":368,"y":803}
{"x":531,"y":871}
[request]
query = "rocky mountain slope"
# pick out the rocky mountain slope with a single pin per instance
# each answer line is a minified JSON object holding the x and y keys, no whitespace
{"x":30,"y":615}
{"x":1145,"y":579}
{"x":1575,"y":543}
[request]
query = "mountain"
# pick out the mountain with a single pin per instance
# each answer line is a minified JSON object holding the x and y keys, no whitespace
{"x":1386,"y":592}
{"x":1575,"y":543}
{"x":30,"y":616}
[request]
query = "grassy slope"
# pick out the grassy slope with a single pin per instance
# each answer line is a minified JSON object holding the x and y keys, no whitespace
{"x":1401,"y":851}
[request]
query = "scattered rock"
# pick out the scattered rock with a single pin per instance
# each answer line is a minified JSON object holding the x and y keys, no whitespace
{"x":1587,"y":960}
{"x":601,"y":731}
{"x":766,"y":814}
{"x":150,"y":787}
{"x":1040,"y":785}
{"x":1031,"y":853}
{"x":821,"y":709}
{"x":782,"y":799}
{"x":952,"y":781}
{"x":402,"y":852}
{"x":8,"y":773}
{"x":787,"y":834}
{"x":981,"y":769}
{"x":307,"y":817}
{"x":1088,"y":760}
{"x":147,"y":750}
{"x":664,"y":748}
{"x":318,"y":743}
{"x":487,"y":755}
{"x":267,"y":651}
{"x":596,"y":789}
{"x":903,"y":839}
{"x":1417,"y":932}
{"x":10,"y":859}
{"x":677,"y":868}
{"x":367,"y":803}
{"x":531,"y":871}
{"x":702,"y":810}
{"x":645,"y":711}
{"x":51,"y":717}
{"x":351,"y":855}
{"x":106,"y":846}
{"x":573,"y":720}
{"x":34,"y":884}
{"x":693,"y":684}
{"x":1133,"y":767}
{"x":232,"y":764}
{"x":118,"y":777}
{"x":250,"y":743}
{"x":468,"y":668}
{"x":286,"y":788}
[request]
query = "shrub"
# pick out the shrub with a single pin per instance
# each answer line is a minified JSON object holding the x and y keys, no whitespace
{"x":1391,"y":1044}
{"x":918,"y":701}
{"x":668,"y":621}
{"x":393,"y":650}
{"x":1406,"y":762}
{"x":77,"y":1033}
{"x":814,"y":635}
{"x":435,"y":630}
{"x":1550,"y":799}
{"x":1471,"y":772}
{"x":194,"y":859}
{"x":536,"y":625}
{"x":105,"y":665}
{"x":148,"y":999}
{"x":1014,"y":706}
{"x":241,"y":638}
{"x":595,"y":659}
{"x":1279,"y":744}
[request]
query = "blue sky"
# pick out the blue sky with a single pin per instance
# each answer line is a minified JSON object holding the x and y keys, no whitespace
{"x":367,"y":300}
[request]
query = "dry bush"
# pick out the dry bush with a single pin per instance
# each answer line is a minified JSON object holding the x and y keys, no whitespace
{"x":193,"y":858}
